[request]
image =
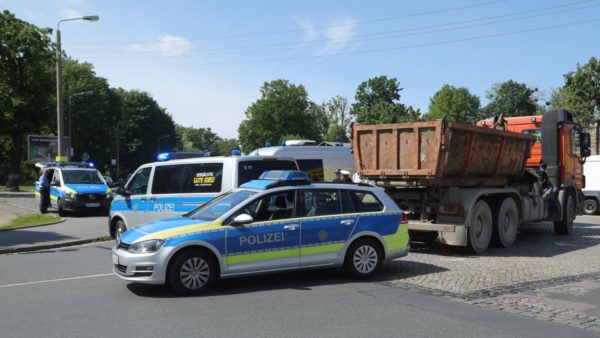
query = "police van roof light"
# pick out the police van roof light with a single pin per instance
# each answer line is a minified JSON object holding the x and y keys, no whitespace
{"x":236,"y":152}
{"x":163,"y":156}
{"x":90,"y":164}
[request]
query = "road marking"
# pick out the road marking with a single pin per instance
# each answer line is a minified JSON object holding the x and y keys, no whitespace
{"x":56,"y":280}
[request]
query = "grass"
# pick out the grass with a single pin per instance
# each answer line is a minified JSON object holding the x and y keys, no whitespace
{"x":28,"y":188}
{"x":30,"y":220}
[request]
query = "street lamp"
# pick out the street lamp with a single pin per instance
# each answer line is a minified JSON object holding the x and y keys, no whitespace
{"x":71,"y":118}
{"x":59,"y":103}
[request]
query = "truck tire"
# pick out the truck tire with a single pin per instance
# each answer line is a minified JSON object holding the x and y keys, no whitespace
{"x":590,"y":206}
{"x":565,"y":225}
{"x":506,"y":223}
{"x":479,"y":233}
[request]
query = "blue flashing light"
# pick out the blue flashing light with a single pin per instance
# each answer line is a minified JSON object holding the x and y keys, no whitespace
{"x":90,"y":164}
{"x":282,"y":143}
{"x":163,"y":156}
{"x":284,"y":175}
{"x":236,"y":152}
{"x":267,"y":144}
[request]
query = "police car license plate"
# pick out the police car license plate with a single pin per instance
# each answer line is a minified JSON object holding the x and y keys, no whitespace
{"x":92,"y":205}
{"x":115,"y":259}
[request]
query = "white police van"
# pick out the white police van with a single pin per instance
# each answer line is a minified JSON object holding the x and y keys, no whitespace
{"x":171,"y":187}
{"x":319,"y":162}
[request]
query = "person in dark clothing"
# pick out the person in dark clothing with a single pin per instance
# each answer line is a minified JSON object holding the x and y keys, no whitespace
{"x":44,"y":191}
{"x":338,"y":176}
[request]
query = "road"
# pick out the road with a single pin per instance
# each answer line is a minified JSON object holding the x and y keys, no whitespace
{"x":71,"y":292}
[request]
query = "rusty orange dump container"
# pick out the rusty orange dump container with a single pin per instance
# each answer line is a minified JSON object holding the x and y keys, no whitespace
{"x":439,"y":152}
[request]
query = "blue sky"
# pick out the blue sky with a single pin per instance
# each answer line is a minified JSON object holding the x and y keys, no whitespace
{"x":205,"y":61}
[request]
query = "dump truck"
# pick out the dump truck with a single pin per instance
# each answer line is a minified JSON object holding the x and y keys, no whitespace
{"x":475,"y":185}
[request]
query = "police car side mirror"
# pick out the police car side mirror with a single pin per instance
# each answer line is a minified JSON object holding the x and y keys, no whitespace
{"x":242,"y":219}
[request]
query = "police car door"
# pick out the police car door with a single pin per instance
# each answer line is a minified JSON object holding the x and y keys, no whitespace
{"x":55,"y":189}
{"x":133,"y":205}
{"x":271,"y":242}
{"x":165,"y":192}
{"x":327,"y":224}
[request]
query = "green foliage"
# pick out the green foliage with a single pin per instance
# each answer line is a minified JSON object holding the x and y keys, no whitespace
{"x":378,"y":102}
{"x":26,"y":84}
{"x":581,"y":92}
{"x":92,"y":116}
{"x":144,"y":127}
{"x":282,"y":109}
{"x":510,"y":98}
{"x":457,"y":104}
{"x":203,"y":139}
{"x":337,"y":113}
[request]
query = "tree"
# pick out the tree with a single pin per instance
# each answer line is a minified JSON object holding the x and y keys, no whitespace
{"x":378,"y":101}
{"x":144,"y":127}
{"x":282,"y":109}
{"x":336,"y":110}
{"x":457,"y":104}
{"x":510,"y":98}
{"x":196,"y":139}
{"x":26,"y":84}
{"x":581,"y":92}
{"x":92,"y":116}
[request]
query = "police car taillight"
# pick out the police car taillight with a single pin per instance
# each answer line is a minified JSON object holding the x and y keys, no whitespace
{"x":404,"y":219}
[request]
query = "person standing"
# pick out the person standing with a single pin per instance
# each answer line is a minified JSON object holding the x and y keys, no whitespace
{"x":44,"y":191}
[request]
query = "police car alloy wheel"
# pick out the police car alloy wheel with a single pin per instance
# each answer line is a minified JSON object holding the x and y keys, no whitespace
{"x":363,"y":258}
{"x":193,"y":271}
{"x":119,"y":230}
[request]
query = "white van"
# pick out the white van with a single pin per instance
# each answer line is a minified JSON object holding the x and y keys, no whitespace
{"x":319,"y":162}
{"x":591,"y":170}
{"x":173,"y":187}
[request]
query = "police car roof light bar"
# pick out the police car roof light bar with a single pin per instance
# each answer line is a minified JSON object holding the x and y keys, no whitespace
{"x":284,"y":175}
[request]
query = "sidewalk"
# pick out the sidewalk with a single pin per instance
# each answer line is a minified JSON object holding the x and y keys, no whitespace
{"x":73,"y":231}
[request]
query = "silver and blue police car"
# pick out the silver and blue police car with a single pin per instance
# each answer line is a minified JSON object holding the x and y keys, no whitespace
{"x":280,"y":222}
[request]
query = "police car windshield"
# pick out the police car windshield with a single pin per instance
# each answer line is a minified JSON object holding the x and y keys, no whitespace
{"x":220,"y":205}
{"x":75,"y":176}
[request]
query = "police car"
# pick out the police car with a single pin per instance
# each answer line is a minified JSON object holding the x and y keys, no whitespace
{"x":76,"y":187}
{"x":279,"y":222}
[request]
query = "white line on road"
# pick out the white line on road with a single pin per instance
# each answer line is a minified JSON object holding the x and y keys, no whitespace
{"x":56,"y":280}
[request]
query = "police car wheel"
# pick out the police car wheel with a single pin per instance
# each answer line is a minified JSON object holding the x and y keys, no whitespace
{"x":363,"y":259}
{"x":192,"y":271}
{"x":61,"y":207}
{"x":120,"y":228}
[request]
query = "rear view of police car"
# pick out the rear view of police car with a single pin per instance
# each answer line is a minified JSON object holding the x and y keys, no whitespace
{"x":280,"y":222}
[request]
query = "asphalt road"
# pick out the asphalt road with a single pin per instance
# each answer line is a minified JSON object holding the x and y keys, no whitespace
{"x":71,"y":292}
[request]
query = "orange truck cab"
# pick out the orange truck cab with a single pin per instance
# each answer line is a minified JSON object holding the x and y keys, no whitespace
{"x":559,"y":152}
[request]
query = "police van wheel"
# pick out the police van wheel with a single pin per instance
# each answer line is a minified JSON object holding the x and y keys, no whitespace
{"x":120,"y":228}
{"x":363,"y":259}
{"x":61,"y":208}
{"x":192,"y":272}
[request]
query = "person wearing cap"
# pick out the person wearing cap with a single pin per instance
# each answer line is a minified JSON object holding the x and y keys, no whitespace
{"x":345,"y":176}
{"x":338,"y":176}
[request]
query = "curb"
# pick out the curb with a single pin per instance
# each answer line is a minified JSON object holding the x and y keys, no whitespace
{"x":53,"y":246}
{"x":16,"y":194}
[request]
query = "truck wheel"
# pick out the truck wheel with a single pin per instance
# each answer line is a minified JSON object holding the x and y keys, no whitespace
{"x":480,"y":230}
{"x":506,"y":223}
{"x":565,"y":226}
{"x":590,"y":206}
{"x":192,"y":272}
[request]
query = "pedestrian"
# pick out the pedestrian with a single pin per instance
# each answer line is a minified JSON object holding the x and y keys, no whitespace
{"x":44,"y":191}
{"x":345,"y":176}
{"x":338,"y":176}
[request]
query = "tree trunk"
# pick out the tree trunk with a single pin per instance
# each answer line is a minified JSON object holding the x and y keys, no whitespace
{"x":14,"y":169}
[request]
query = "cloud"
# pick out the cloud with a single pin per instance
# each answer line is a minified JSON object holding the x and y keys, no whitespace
{"x":167,"y":45}
{"x":69,"y":13}
{"x":334,"y":36}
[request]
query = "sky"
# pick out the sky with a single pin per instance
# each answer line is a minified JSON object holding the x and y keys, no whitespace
{"x":205,"y":61}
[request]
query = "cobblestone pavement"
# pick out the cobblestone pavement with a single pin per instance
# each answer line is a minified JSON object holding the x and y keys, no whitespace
{"x":545,"y":276}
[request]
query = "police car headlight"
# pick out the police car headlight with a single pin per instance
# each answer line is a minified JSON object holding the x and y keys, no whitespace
{"x":152,"y":245}
{"x":71,"y":195}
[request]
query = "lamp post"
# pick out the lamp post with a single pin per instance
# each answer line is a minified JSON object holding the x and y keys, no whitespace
{"x":71,"y":118}
{"x":59,"y":98}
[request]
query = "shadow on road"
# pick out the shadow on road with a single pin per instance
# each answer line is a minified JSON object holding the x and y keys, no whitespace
{"x":533,"y":240}
{"x":16,"y":237}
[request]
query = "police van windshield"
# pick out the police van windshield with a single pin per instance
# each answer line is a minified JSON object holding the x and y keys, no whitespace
{"x":251,"y":170}
{"x":220,"y":205}
{"x":81,"y":177}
